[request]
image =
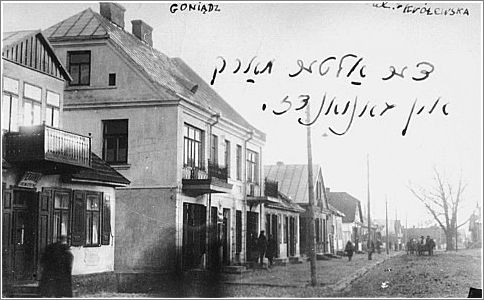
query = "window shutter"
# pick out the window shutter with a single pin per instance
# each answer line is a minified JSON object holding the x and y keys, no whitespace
{"x":45,"y":219}
{"x":7,"y":255}
{"x":78,"y":219}
{"x":106,"y":219}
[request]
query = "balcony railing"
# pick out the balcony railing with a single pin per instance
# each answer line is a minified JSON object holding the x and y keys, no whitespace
{"x":271,"y":188}
{"x":45,"y":143}
{"x":214,"y":171}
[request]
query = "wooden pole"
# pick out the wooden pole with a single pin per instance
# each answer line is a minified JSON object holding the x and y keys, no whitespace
{"x":369,"y":219}
{"x":386,"y":222}
{"x":312,"y":250}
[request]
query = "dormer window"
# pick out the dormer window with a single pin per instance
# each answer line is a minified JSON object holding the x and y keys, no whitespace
{"x":79,"y":67}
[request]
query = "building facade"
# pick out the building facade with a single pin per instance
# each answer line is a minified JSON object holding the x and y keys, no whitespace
{"x":293,"y":182}
{"x":191,"y":158}
{"x":52,"y":185}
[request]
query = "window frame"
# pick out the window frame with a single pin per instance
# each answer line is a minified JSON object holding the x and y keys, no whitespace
{"x":117,"y":137}
{"x":88,"y":227}
{"x":214,"y":149}
{"x":34,"y":103}
{"x":238,"y":157}
{"x":52,"y":108}
{"x":227,"y":157}
{"x":61,"y":210}
{"x":192,"y":147}
{"x":70,"y":64}
{"x":252,"y":162}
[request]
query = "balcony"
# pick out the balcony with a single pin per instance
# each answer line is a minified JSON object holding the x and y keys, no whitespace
{"x":198,"y":181}
{"x":47,"y":149}
{"x":255,"y":197}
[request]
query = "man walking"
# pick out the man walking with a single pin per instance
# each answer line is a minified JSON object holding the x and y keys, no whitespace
{"x":349,"y":249}
{"x":262,"y":246}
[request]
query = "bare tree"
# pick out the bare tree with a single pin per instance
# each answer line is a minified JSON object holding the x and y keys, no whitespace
{"x":442,"y":202}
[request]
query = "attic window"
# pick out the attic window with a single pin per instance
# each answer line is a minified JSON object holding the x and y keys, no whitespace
{"x":80,"y":67}
{"x":112,"y":79}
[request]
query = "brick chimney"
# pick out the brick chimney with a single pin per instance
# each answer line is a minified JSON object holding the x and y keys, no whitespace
{"x":113,"y":12}
{"x":142,"y":31}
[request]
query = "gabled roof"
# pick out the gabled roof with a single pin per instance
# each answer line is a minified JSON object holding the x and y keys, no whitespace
{"x":285,"y":204}
{"x":292,"y":179}
{"x":335,"y":211}
{"x":15,"y":40}
{"x":347,"y":204}
{"x":169,"y":74}
{"x":100,"y":172}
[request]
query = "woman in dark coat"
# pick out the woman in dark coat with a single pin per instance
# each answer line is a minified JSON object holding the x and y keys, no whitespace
{"x":262,"y":246}
{"x":271,"y":249}
{"x":56,"y":263}
{"x":349,"y":249}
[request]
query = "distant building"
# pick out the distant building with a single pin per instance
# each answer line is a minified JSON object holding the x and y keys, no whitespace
{"x":352,"y":221}
{"x":395,"y":233}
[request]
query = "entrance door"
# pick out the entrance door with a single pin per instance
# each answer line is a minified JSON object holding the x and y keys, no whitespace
{"x":252,"y":235}
{"x":292,"y":237}
{"x":7,"y":249}
{"x":274,"y":233}
{"x":226,"y":236}
{"x":23,"y":234}
{"x":194,"y":219}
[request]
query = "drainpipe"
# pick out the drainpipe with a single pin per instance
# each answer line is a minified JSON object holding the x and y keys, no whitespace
{"x":244,"y":187}
{"x":209,"y":200}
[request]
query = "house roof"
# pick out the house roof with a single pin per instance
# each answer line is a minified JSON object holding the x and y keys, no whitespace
{"x":101,"y":172}
{"x":335,"y":211}
{"x":347,"y":204}
{"x":170,"y":74}
{"x":285,"y":204}
{"x":10,"y":39}
{"x":292,"y":179}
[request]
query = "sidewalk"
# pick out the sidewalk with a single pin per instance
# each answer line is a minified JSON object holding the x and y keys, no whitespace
{"x":292,"y":280}
{"x":334,"y":273}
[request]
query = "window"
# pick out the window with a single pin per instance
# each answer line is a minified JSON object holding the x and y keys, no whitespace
{"x":252,"y":166}
{"x":80,"y":67}
{"x":61,"y":219}
{"x":32,"y":105}
{"x":10,"y":109}
{"x":316,"y":233}
{"x":53,"y":109}
{"x":112,"y":79}
{"x":192,"y":149}
{"x":115,"y":141}
{"x":93,"y":220}
{"x":227,"y":157}
{"x":239,"y":162}
{"x":214,"y":149}
{"x":286,"y":229}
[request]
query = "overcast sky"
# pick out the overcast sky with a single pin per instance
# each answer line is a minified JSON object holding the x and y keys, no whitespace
{"x":381,"y":37}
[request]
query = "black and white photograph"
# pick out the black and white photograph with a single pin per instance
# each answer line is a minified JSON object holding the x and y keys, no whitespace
{"x":242,"y":149}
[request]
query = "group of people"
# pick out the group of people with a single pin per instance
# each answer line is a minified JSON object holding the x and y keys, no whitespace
{"x":266,"y":247}
{"x":421,"y":246}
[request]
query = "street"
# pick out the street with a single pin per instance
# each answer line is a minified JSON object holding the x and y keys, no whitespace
{"x":446,"y":274}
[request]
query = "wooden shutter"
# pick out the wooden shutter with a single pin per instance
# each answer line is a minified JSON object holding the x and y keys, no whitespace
{"x":7,"y":199}
{"x":46,"y":207}
{"x":78,"y":231}
{"x":106,"y":220}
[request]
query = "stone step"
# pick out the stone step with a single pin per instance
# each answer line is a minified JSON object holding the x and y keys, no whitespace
{"x":295,"y":260}
{"x":235,"y":269}
{"x":280,"y":261}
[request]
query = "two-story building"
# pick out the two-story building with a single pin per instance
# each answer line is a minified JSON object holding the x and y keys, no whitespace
{"x":191,"y":158}
{"x":52,"y":185}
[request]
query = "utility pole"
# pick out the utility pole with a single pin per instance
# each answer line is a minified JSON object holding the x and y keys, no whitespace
{"x":312,"y":251}
{"x":369,"y":220}
{"x":386,"y":221}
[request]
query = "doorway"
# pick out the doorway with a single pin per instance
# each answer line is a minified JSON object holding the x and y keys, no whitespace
{"x":292,"y":237}
{"x":226,"y":236}
{"x":194,"y":232}
{"x":252,"y":235}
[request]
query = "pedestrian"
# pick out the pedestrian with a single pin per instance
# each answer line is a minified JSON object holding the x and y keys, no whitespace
{"x":56,"y":273}
{"x":349,"y":249}
{"x":271,"y":249}
{"x":262,"y":246}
